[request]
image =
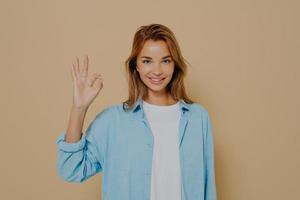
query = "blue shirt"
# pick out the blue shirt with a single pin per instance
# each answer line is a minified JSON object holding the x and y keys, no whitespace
{"x":120,"y":144}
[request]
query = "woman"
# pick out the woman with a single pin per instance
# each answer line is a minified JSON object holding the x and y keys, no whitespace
{"x":157,"y":145}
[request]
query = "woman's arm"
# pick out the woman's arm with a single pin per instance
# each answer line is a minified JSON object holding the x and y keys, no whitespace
{"x":85,"y":90}
{"x":78,"y":155}
{"x":76,"y":119}
{"x":79,"y":160}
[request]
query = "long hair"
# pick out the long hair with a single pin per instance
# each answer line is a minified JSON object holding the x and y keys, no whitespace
{"x":136,"y":87}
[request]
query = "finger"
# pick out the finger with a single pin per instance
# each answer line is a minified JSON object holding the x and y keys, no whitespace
{"x":74,"y":68}
{"x":73,"y":72}
{"x":98,"y":83}
{"x":93,"y":82}
{"x":92,"y":79}
{"x":97,"y":77}
{"x":85,"y":66}
{"x":77,"y":66}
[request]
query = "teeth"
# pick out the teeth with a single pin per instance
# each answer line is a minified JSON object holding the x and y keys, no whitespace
{"x":154,"y":79}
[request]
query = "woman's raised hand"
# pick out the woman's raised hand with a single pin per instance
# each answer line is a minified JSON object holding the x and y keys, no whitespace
{"x":85,"y":87}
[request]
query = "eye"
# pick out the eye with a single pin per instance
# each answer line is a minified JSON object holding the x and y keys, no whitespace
{"x":146,"y":61}
{"x":167,"y":61}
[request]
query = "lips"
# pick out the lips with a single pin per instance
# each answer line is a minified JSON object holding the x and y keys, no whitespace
{"x":156,"y":81}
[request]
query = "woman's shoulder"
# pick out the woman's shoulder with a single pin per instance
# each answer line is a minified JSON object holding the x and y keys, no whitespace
{"x":198,"y":108}
{"x":111,"y":110}
{"x":106,"y":112}
{"x":199,"y":112}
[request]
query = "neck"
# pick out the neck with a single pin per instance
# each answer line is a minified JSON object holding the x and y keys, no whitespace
{"x":160,"y":99}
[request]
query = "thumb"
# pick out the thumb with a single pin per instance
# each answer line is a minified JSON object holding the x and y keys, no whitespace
{"x":98,"y":83}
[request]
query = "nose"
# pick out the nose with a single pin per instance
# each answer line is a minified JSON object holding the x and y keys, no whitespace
{"x":157,"y":69}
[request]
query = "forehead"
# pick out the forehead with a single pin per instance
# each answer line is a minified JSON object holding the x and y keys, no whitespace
{"x":155,"y":48}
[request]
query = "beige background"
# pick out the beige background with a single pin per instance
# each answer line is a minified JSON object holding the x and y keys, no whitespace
{"x":244,"y":58}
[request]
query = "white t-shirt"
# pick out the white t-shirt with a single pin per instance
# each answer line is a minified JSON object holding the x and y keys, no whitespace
{"x":166,"y":177}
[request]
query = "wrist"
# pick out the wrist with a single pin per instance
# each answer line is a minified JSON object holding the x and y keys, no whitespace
{"x":79,"y":108}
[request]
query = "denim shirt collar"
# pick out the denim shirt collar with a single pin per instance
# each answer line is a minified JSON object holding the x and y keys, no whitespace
{"x":182,"y":105}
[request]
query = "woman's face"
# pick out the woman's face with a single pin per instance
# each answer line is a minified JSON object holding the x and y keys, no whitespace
{"x":155,"y":66}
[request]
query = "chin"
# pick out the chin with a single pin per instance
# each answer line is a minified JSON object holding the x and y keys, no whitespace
{"x":156,"y":88}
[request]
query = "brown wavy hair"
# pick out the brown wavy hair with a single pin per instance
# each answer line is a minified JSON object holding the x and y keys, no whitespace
{"x":136,"y":87}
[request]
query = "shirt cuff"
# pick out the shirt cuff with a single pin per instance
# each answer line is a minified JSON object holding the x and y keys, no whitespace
{"x":70,"y":147}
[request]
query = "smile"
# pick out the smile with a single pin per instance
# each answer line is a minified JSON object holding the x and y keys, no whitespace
{"x":156,"y":81}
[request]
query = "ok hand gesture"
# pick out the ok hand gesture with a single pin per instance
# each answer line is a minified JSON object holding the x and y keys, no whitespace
{"x":85,"y":87}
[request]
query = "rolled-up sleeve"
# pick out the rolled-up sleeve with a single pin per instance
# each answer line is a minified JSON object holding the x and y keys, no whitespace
{"x":210,"y":183}
{"x":78,"y":161}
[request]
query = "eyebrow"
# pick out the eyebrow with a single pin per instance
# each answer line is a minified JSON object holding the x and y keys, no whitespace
{"x":151,"y":58}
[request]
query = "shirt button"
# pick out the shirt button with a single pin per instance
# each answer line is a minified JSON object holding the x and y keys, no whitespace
{"x":149,"y":145}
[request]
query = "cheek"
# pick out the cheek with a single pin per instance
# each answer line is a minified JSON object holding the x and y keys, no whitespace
{"x":142,"y":72}
{"x":171,"y":71}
